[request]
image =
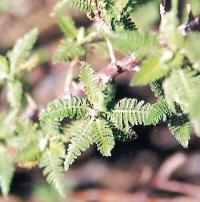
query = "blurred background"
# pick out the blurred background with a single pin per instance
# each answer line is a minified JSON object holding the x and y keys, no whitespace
{"x":152,"y":168}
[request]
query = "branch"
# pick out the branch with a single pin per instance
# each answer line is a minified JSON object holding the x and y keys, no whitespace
{"x":113,"y":70}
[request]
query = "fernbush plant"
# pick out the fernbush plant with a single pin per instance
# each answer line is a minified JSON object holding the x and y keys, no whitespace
{"x":168,"y":61}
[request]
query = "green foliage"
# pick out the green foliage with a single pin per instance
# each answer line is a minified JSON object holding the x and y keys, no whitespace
{"x":15,"y":94}
{"x":191,"y":47}
{"x":82,"y":5}
{"x":67,"y":26}
{"x":68,"y":50}
{"x":151,"y":70}
{"x":130,"y":112}
{"x":157,"y":88}
{"x":181,"y":87}
{"x":91,"y":85}
{"x":103,"y":137}
{"x":30,"y":153}
{"x":159,"y":112}
{"x":168,"y":62}
{"x":6,"y":171}
{"x":181,"y":128}
{"x":140,"y":43}
{"x":79,"y":143}
{"x":61,"y":108}
{"x":21,"y":50}
{"x":53,"y":169}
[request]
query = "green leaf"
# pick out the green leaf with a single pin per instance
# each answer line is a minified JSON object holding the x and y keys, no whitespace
{"x":157,"y":88}
{"x":79,"y":143}
{"x":182,"y":88}
{"x":6,"y":171}
{"x":82,"y":5}
{"x":123,"y":134}
{"x":93,"y":89}
{"x":130,"y":112}
{"x":159,"y":112}
{"x":67,"y":50}
{"x":181,"y":128}
{"x":21,"y":50}
{"x":140,"y":43}
{"x":150,"y":71}
{"x":102,"y":135}
{"x":31,"y":152}
{"x":191,"y":47}
{"x":15,"y":94}
{"x":67,"y":26}
{"x":61,"y":108}
{"x":53,"y":170}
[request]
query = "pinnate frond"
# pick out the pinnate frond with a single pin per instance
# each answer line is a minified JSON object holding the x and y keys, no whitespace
{"x":191,"y":47}
{"x":137,"y":42}
{"x":22,"y":48}
{"x":102,"y":135}
{"x":93,"y":89}
{"x":31,"y":152}
{"x":79,"y":143}
{"x":181,"y":128}
{"x":159,"y":112}
{"x":6,"y":171}
{"x":53,"y":170}
{"x":67,"y":26}
{"x":15,"y":94}
{"x":82,"y":5}
{"x":61,"y":108}
{"x":157,"y":88}
{"x":67,"y":50}
{"x":185,"y":92}
{"x":123,"y":134}
{"x":130,"y":112}
{"x":152,"y":70}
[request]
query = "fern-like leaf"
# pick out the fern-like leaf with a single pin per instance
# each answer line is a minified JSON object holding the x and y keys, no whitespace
{"x":22,"y":49}
{"x":67,"y":26}
{"x":137,"y":42}
{"x":191,"y":47}
{"x":181,"y":128}
{"x":67,"y":50}
{"x":159,"y":112}
{"x":150,"y":71}
{"x":185,"y":92}
{"x":102,"y":136}
{"x":79,"y":143}
{"x":157,"y":88}
{"x":53,"y":169}
{"x":30,"y":153}
{"x":6,"y":171}
{"x":82,"y":5}
{"x":15,"y":94}
{"x":61,"y":108}
{"x":130,"y":112}
{"x":123,"y":134}
{"x":93,"y":89}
